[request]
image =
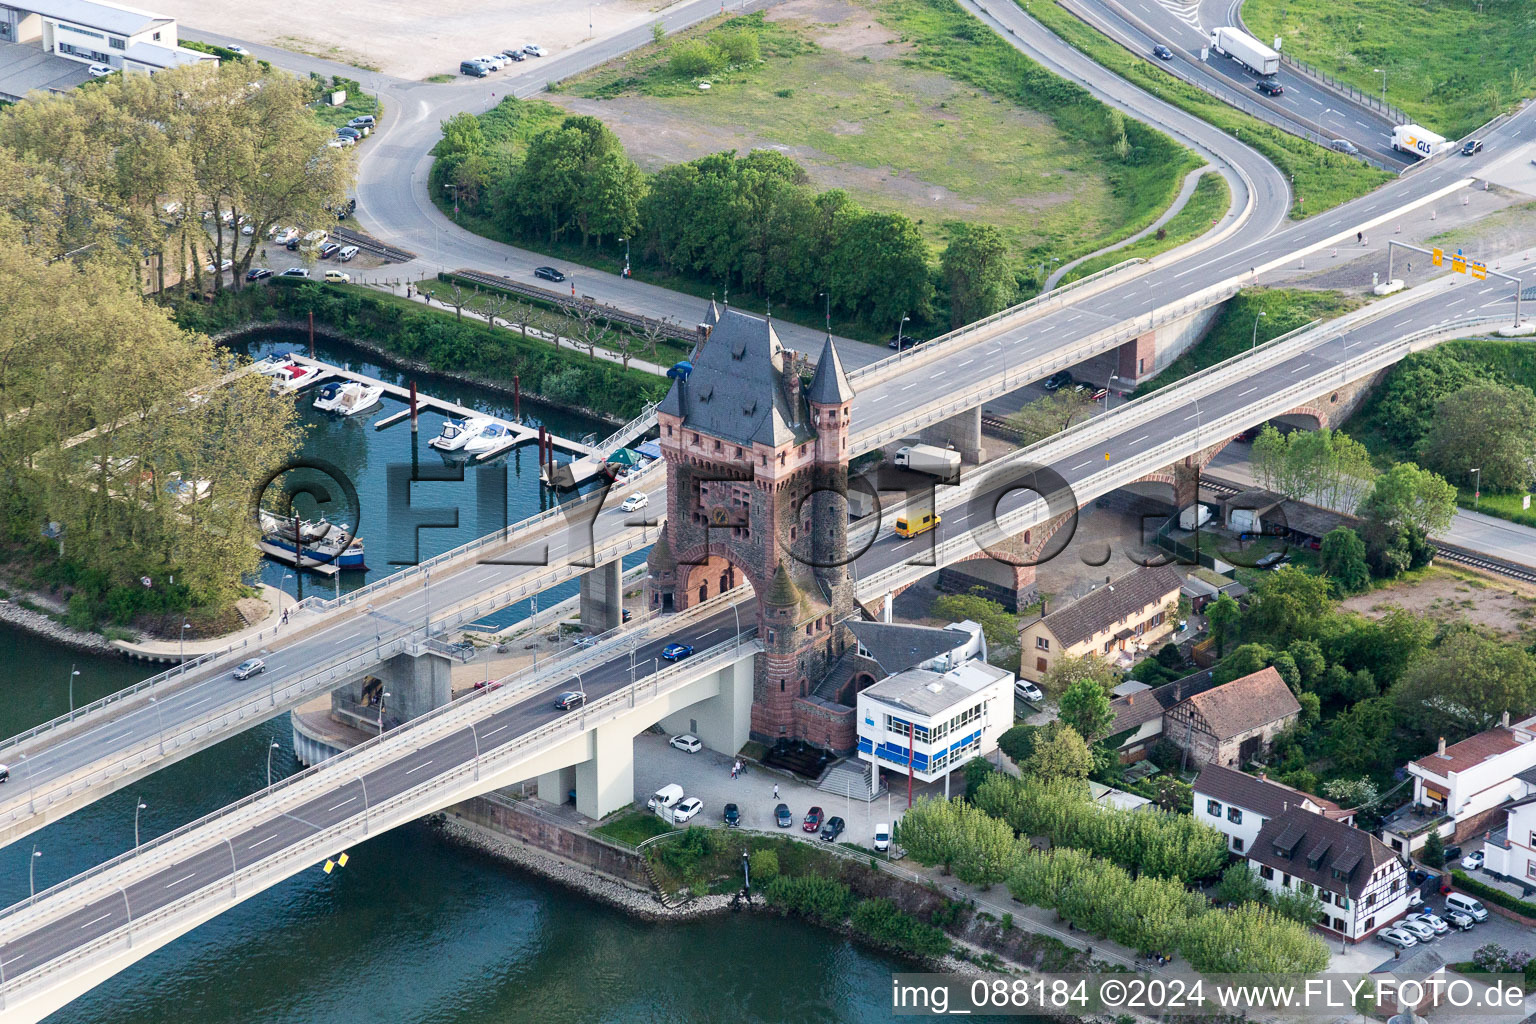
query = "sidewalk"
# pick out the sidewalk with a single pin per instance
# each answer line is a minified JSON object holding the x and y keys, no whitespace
{"x":174,"y":651}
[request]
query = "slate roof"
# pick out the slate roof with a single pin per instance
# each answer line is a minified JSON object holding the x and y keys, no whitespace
{"x":829,"y":385}
{"x":896,"y":647}
{"x":1316,"y":839}
{"x":1244,"y":704}
{"x":1261,"y":796}
{"x":1470,"y":752}
{"x":1104,"y":607}
{"x":1135,"y":709}
{"x":736,"y":391}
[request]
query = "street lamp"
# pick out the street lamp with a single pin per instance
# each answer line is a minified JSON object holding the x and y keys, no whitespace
{"x":1107,"y":389}
{"x":139,"y":806}
{"x":32,"y":874}
{"x":382,"y":698}
{"x":184,"y":625}
{"x":900,"y":324}
{"x":1256,"y":330}
{"x":1197,"y":481}
{"x":281,"y":592}
{"x":72,"y":673}
{"x":269,"y":763}
{"x":625,"y":240}
{"x":1477,"y":486}
{"x":160,"y":719}
{"x":1383,"y":73}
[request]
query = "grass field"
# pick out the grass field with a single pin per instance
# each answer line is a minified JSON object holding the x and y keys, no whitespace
{"x":1206,"y":204}
{"x":1322,"y":179}
{"x":633,"y":828}
{"x":1450,"y":64}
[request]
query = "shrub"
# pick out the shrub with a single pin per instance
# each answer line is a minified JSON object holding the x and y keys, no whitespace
{"x":1487,"y":892}
{"x":1433,"y":853}
{"x":879,"y":921}
{"x":694,"y":57}
{"x":82,"y":612}
{"x":809,"y":896}
{"x":1166,"y":754}
{"x":764,"y":865}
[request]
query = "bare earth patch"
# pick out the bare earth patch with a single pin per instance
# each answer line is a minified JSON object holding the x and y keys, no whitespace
{"x":1447,"y":595}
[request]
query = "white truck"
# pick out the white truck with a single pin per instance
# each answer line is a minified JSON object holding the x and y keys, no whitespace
{"x":1418,"y":140}
{"x":1246,"y":50}
{"x":1194,"y":516}
{"x":925,"y":458}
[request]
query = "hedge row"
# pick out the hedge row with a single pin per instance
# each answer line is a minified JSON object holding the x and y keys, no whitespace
{"x":1487,"y":892}
{"x":830,"y":902}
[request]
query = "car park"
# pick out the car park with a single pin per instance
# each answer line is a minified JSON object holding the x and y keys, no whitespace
{"x":473,"y":69}
{"x":535,"y":50}
{"x":882,"y":836}
{"x":338,"y":277}
{"x":812,"y":820}
{"x":687,"y":810}
{"x":832,"y":829}
{"x":294,"y":272}
{"x":329,"y":249}
{"x":687,"y":742}
{"x":257,"y":273}
{"x":100,"y":70}
{"x":250,"y":667}
{"x":1269,"y":87}
{"x":1428,"y":917}
{"x":569,"y":700}
{"x":1465,"y":904}
{"x":1397,"y":937}
{"x":634,"y":503}
{"x":1473,"y":861}
{"x":1162,"y":52}
{"x":346,"y":254}
{"x":731,"y":816}
{"x":1344,"y":146}
{"x":1028,"y":691}
{"x":548,"y":273}
{"x":1460,"y":921}
{"x":782,"y":817}
{"x":676,"y":651}
{"x":1418,"y":929}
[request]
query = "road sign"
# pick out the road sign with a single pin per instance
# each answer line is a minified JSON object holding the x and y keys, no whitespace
{"x":1459,"y":263}
{"x":1477,"y":270}
{"x":1437,"y":256}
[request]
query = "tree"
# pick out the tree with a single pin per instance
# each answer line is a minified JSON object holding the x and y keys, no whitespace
{"x":1084,"y":706}
{"x":998,"y":624}
{"x":1287,"y":605}
{"x":609,"y":202}
{"x":1309,"y":660}
{"x":1311,"y":709}
{"x":1433,"y":853}
{"x":1406,"y":495}
{"x":1269,"y":449}
{"x":1052,"y":414}
{"x":1066,"y":670}
{"x":1299,"y":905}
{"x":1240,"y":884}
{"x":1358,"y":737}
{"x":1223,"y":615}
{"x":1354,"y":792}
{"x":976,"y":268}
{"x":1061,"y":755}
{"x":1283,"y":663}
{"x":1487,"y":425}
{"x":976,"y":771}
{"x":1244,"y":661}
{"x":764,"y":865}
{"x":1019,"y":742}
{"x":1405,"y":405}
{"x":880,"y":270}
{"x":1342,"y":557}
{"x":1466,"y":683}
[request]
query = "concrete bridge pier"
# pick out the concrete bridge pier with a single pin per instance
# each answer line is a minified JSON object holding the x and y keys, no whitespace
{"x":415,"y":686}
{"x":961,"y":432}
{"x":555,"y":786}
{"x":1147,"y":353}
{"x":602,"y":597}
{"x":1012,"y":586}
{"x":722,"y":722}
{"x":606,"y":780}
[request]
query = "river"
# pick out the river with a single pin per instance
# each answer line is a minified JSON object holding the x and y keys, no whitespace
{"x":415,"y":928}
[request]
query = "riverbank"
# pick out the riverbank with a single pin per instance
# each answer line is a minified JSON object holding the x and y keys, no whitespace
{"x":38,"y":623}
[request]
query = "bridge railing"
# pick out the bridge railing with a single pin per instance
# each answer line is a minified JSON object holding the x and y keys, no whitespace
{"x":355,"y":762}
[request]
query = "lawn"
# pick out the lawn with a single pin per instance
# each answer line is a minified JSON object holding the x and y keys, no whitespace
{"x":1206,"y":204}
{"x":1283,"y":310}
{"x":1450,"y":64}
{"x":1322,"y":179}
{"x":633,"y":828}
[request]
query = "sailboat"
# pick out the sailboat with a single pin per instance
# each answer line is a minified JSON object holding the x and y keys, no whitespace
{"x":322,"y":541}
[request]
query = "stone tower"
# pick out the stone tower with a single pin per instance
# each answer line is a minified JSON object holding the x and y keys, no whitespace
{"x":757,"y":468}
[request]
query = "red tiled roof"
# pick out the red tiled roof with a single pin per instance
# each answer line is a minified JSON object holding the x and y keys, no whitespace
{"x":1246,"y":703}
{"x":1470,"y":752}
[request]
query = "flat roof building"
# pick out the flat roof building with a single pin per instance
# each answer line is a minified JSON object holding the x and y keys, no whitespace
{"x":94,"y":32}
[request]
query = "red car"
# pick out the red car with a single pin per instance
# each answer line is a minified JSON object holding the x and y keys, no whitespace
{"x":813,"y":819}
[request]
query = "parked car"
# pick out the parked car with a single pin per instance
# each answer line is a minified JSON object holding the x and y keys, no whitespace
{"x":1455,"y":918}
{"x":100,"y":70}
{"x":346,"y":254}
{"x":687,"y":810}
{"x":363,"y":121}
{"x":1472,"y":147}
{"x":1028,"y":690}
{"x":1473,"y":861}
{"x":223,"y":266}
{"x":473,"y":69}
{"x":676,"y":651}
{"x":341,"y":142}
{"x":535,"y":50}
{"x":634,"y":503}
{"x":514,"y":53}
{"x":1428,"y":917}
{"x":238,"y":51}
{"x":548,"y":273}
{"x":812,"y":820}
{"x":250,"y":667}
{"x":570,"y":699}
{"x":257,"y":273}
{"x":494,"y":61}
{"x":295,"y":272}
{"x":732,"y":816}
{"x":348,"y":132}
{"x":1273,"y":560}
{"x":1418,"y":929}
{"x":832,"y":829}
{"x":329,"y":249}
{"x":1162,"y":52}
{"x":1058,"y":380}
{"x":1344,"y":146}
{"x":781,"y":815}
{"x":882,"y":836}
{"x":488,"y":684}
{"x":5,"y":774}
{"x":687,"y":742}
{"x":1452,"y":853}
{"x":338,"y":277}
{"x":1397,"y":937}
{"x":1466,"y":905}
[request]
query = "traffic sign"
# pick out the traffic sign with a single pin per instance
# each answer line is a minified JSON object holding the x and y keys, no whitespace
{"x":1459,"y":263}
{"x":1477,"y":270}
{"x":1437,"y":256}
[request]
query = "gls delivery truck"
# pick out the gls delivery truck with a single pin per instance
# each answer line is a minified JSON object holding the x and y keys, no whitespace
{"x":1246,"y":50}
{"x":1420,"y":141}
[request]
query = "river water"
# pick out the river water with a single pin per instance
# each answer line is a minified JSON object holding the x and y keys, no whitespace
{"x":415,"y":928}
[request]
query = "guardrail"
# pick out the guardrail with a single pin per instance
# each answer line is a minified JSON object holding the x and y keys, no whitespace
{"x":344,"y":768}
{"x":1343,"y":88}
{"x":613,"y":314}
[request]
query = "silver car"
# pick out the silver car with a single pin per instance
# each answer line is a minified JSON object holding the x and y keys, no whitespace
{"x":1418,"y":929}
{"x":250,"y":667}
{"x":1399,"y":937}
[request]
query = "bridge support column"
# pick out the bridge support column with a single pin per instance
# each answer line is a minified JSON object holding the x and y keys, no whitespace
{"x":1186,"y":485}
{"x":1138,"y":357}
{"x":886,"y":604}
{"x":602,"y":597}
{"x":606,"y":780}
{"x":1011,"y":586}
{"x":962,"y":432}
{"x":722,"y":722}
{"x":414,"y":686}
{"x":555,"y":787}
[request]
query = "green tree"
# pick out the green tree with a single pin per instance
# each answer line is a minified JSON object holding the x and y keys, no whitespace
{"x":976,"y":268}
{"x":880,"y":269}
{"x":609,"y":203}
{"x":1019,"y":742}
{"x":1052,"y":414}
{"x":1488,"y":425}
{"x":1223,"y":614}
{"x":1061,"y":755}
{"x":764,"y":866}
{"x":1085,"y":707}
{"x":976,"y":771}
{"x":1358,"y":737}
{"x":1433,"y":853}
{"x":1342,"y":557}
{"x":1244,"y":661}
{"x":998,"y":624}
{"x":1068,"y":669}
{"x":1465,"y":684}
{"x":1309,"y":660}
{"x":1311,"y":709}
{"x":1405,"y":405}
{"x":1406,"y":495}
{"x":1241,"y":884}
{"x":1287,"y":605}
{"x":1299,"y":905}
{"x":1283,"y":663}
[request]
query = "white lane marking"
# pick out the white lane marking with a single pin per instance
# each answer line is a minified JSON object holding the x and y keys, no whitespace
{"x":349,"y":636}
{"x":260,"y":841}
{"x":7,"y":963}
{"x":1140,"y":439}
{"x":342,"y":804}
{"x":98,"y":920}
{"x":197,"y":702}
{"x":968,"y":362}
{"x":418,"y":767}
{"x":701,"y":636}
{"x":909,"y":387}
{"x":1190,"y":416}
{"x":935,"y":376}
{"x":1080,"y":465}
{"x":178,"y":881}
{"x":496,"y":730}
{"x":1303,"y":366}
{"x":1249,"y":391}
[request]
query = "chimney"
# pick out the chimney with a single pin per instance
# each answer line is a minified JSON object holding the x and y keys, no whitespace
{"x":1441,"y":750}
{"x":1504,"y":720}
{"x":1130,"y":699}
{"x":792,"y":385}
{"x":1263,"y":776}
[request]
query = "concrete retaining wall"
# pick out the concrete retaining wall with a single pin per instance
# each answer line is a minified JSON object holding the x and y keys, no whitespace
{"x":506,"y":817}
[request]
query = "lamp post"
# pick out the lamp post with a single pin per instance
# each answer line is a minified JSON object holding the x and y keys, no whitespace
{"x":900,"y":324}
{"x":1107,"y":389}
{"x":1197,"y":481}
{"x":625,"y":240}
{"x":282,"y":591}
{"x":184,"y":625}
{"x":271,"y":748}
{"x":32,"y":874}
{"x":382,"y":698}
{"x":139,"y":806}
{"x":378,"y":637}
{"x":72,"y":673}
{"x":160,"y":721}
{"x":1256,"y":320}
{"x":828,"y":297}
{"x":1477,"y":486}
{"x":1383,"y":73}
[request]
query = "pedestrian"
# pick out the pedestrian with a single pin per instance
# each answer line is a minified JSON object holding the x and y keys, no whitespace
{"x":263,"y":253}
{"x":775,"y":790}
{"x":1359,"y":238}
{"x":285,"y":618}
{"x":1410,"y":266}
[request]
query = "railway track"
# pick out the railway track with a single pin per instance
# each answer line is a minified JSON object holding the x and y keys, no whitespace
{"x":372,"y":245}
{"x":614,"y":315}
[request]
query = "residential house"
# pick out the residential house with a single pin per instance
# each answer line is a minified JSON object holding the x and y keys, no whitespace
{"x":1510,"y":850}
{"x":1237,"y":804}
{"x":1139,"y":714}
{"x":1458,"y":790}
{"x":1233,"y":723}
{"x":1424,"y":968}
{"x":1362,"y":884}
{"x":1112,"y":622}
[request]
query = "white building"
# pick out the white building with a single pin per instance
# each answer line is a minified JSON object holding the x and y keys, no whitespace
{"x":1511,"y":851}
{"x":1361,"y":884}
{"x":941,"y":719}
{"x":1458,"y":788}
{"x":1237,"y":804}
{"x":95,"y":32}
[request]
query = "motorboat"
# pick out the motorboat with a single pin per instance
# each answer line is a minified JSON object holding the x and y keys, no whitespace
{"x":187,"y":491}
{"x":322,"y":542}
{"x":348,"y":398}
{"x":493,"y":435}
{"x":456,"y":433}
{"x":286,"y":374}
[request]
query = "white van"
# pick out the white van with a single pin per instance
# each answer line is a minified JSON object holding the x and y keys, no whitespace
{"x":1467,"y":905}
{"x":664,"y":799}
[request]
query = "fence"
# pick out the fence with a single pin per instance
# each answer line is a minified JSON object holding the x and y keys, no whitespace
{"x":1349,"y":92}
{"x":614,"y":315}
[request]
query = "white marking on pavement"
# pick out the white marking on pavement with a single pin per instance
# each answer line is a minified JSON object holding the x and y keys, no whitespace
{"x":178,"y":881}
{"x":418,"y":767}
{"x":1080,"y":465}
{"x":342,"y":804}
{"x":1249,"y":391}
{"x":349,"y":636}
{"x":7,"y":963}
{"x":260,"y":841}
{"x":98,"y":920}
{"x":496,"y":730}
{"x":1140,"y":439}
{"x":1190,"y":416}
{"x":703,"y":635}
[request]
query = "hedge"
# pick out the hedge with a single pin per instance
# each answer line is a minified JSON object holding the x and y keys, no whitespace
{"x":1492,"y":895}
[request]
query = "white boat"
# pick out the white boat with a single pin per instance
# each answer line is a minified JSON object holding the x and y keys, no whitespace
{"x":457,"y":432}
{"x":348,"y":398}
{"x":285,"y":373}
{"x":492,"y":435}
{"x":321,"y":542}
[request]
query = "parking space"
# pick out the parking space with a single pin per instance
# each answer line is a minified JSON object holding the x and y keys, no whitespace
{"x":1452,"y":947}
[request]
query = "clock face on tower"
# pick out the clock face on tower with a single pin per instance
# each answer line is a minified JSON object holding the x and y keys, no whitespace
{"x":720,"y":515}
